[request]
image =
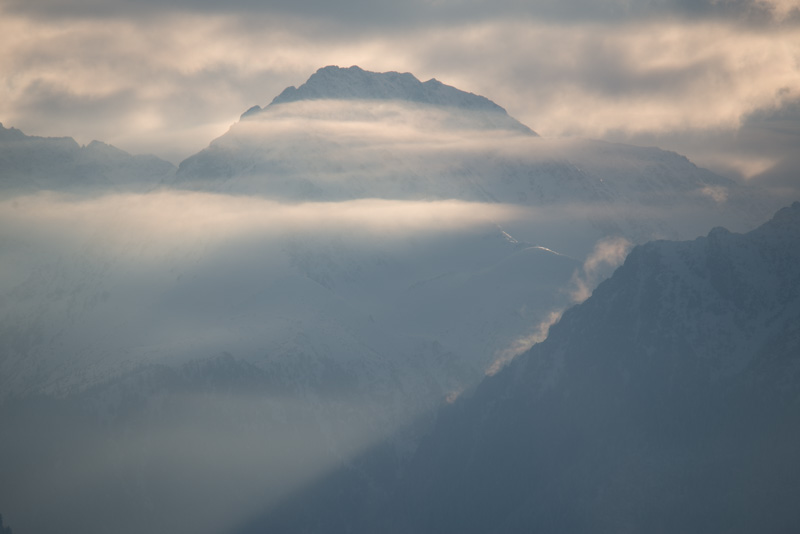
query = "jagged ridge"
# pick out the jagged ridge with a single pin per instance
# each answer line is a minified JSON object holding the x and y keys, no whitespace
{"x":32,"y":163}
{"x":353,"y":83}
{"x":665,"y":403}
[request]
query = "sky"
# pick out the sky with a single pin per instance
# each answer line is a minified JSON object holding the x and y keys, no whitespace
{"x":177,"y":274}
{"x":717,"y":80}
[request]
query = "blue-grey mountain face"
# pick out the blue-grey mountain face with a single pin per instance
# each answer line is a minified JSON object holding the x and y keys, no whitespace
{"x":29,"y":164}
{"x":667,"y":402}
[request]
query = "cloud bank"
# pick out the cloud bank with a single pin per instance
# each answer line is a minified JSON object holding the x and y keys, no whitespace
{"x":166,"y":80}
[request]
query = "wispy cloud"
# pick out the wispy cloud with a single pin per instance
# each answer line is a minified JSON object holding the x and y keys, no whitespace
{"x":166,"y":219}
{"x":608,"y":254}
{"x":524,"y":343}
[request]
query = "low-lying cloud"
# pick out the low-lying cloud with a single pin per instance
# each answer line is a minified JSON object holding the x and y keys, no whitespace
{"x":168,"y":217}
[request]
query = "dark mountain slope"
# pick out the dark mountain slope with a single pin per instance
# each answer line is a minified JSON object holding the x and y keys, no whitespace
{"x":667,"y":402}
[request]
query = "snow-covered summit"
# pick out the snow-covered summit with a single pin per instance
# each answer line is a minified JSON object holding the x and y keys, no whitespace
{"x":355,"y":83}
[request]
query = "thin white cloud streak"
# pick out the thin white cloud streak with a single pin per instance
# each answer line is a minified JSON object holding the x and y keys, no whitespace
{"x":171,"y":85}
{"x":154,"y":224}
{"x":523,"y":344}
{"x":355,"y":135}
{"x":170,"y":217}
{"x":608,"y":254}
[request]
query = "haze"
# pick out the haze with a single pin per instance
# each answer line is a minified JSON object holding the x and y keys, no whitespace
{"x":717,"y":81}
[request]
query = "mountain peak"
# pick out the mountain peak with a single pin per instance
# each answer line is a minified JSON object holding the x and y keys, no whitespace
{"x":355,"y":83}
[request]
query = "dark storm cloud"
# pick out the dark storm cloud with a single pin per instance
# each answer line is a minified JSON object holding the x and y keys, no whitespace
{"x":362,"y":14}
{"x":613,"y":67}
{"x":776,"y":132}
{"x":773,"y":130}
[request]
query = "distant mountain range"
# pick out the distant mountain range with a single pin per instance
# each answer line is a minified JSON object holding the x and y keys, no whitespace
{"x":29,"y":164}
{"x":185,"y":349}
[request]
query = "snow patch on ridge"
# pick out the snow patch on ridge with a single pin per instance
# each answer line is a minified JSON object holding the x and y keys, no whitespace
{"x":354,"y":83}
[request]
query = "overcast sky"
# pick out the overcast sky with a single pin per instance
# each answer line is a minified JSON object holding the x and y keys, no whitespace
{"x":717,"y":80}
